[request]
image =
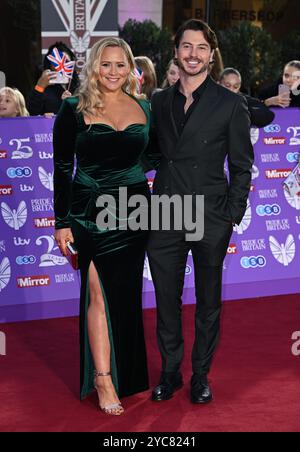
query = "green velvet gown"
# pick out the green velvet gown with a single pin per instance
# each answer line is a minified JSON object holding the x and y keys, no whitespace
{"x":106,"y":159}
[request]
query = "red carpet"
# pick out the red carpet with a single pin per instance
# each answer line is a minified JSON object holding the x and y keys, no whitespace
{"x":255,"y":377}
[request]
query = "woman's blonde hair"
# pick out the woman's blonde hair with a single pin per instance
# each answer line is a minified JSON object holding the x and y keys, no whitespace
{"x":18,"y":98}
{"x":89,"y":92}
{"x":150,"y":80}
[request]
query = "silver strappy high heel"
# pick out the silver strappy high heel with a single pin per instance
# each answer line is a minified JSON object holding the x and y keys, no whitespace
{"x":114,"y":409}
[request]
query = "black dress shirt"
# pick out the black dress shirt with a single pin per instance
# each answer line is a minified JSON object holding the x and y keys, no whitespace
{"x":179,"y":101}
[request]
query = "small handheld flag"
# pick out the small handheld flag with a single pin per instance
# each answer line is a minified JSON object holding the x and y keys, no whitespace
{"x":61,"y":63}
{"x":140,"y":76}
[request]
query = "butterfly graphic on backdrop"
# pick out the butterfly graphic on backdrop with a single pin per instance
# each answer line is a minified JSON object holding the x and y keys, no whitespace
{"x":14,"y":218}
{"x":46,"y":178}
{"x":294,"y":201}
{"x":283,"y":253}
{"x":254,"y":132}
{"x":254,"y":172}
{"x":5,"y":273}
{"x":245,"y":223}
{"x":80,"y":44}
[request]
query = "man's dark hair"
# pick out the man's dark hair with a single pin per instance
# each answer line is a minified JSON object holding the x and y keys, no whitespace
{"x":197,"y":25}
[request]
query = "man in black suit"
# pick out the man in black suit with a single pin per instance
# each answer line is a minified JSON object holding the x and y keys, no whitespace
{"x":198,"y":123}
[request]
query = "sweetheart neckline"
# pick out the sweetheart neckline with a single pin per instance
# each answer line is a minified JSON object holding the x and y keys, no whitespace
{"x":111,"y":127}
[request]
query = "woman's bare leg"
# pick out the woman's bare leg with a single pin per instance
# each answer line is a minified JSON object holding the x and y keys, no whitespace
{"x":99,"y":343}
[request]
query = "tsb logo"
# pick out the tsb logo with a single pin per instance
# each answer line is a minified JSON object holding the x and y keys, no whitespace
{"x":293,"y":157}
{"x":25,"y":260}
{"x":268,"y":210}
{"x":19,"y":172}
{"x":272,"y":128}
{"x":253,"y":262}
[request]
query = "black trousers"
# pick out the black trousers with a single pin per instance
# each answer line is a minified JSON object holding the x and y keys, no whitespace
{"x":167,"y":253}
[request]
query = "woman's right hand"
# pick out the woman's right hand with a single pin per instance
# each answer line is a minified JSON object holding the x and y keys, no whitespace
{"x":62,"y":236}
{"x":45,"y":78}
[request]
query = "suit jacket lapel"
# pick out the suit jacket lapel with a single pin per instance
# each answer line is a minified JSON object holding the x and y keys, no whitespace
{"x":201,"y":114}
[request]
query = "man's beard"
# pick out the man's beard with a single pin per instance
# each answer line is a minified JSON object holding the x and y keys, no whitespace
{"x":203,"y":69}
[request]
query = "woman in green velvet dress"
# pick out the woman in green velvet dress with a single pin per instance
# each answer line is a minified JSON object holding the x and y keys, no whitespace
{"x":106,"y":127}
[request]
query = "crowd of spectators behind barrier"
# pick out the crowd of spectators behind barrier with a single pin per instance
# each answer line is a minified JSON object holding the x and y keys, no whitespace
{"x":46,"y":98}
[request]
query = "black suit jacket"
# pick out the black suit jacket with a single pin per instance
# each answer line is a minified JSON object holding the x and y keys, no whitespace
{"x":193,"y":163}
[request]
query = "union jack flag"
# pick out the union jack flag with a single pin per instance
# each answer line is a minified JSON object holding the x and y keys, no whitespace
{"x":61,"y":63}
{"x":140,"y":76}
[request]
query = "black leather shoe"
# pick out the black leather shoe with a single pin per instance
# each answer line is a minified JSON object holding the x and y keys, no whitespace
{"x":200,"y":390}
{"x":169,"y":383}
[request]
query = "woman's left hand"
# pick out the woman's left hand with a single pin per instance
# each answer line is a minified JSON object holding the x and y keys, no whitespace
{"x":66,"y":94}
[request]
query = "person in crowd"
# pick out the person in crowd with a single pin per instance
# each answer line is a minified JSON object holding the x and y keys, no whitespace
{"x":149,"y":81}
{"x":46,"y":98}
{"x":217,"y":66}
{"x":106,"y":126}
{"x":260,"y":114}
{"x":287,"y":95}
{"x":172,"y":75}
{"x":12,"y":103}
{"x":198,"y":124}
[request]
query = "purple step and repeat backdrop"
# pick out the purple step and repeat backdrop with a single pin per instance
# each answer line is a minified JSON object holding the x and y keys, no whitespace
{"x":37,"y":282}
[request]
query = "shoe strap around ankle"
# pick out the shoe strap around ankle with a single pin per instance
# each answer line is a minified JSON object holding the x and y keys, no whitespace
{"x":101,"y":374}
